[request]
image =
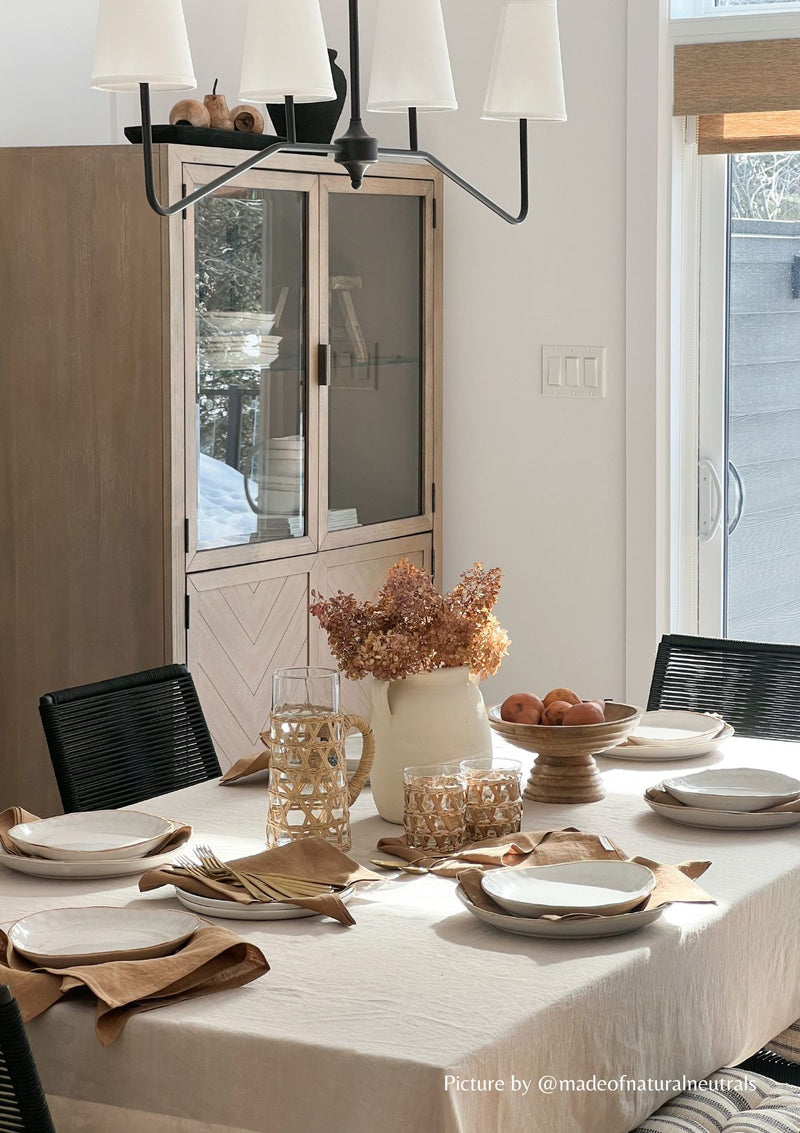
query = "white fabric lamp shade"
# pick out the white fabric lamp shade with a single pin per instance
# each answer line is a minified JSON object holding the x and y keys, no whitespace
{"x":526,"y":79}
{"x":411,"y":63}
{"x":285,"y":53}
{"x":142,"y":41}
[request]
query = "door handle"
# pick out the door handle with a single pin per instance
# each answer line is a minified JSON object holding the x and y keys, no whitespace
{"x":737,"y":479}
{"x":324,"y":364}
{"x":711,"y":501}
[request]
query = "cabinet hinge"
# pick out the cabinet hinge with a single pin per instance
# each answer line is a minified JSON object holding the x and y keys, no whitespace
{"x":434,"y":212}
{"x":433,"y":564}
{"x":186,"y":535}
{"x":433,"y":499}
{"x":188,"y":610}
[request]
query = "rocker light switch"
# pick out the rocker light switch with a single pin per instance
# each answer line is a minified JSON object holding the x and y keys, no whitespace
{"x":574,"y":371}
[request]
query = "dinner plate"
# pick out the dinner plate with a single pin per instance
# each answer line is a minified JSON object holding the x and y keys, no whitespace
{"x":646,"y":752}
{"x":576,"y":928}
{"x":61,"y":938}
{"x":232,"y":910}
{"x":605,"y":887}
{"x":670,"y":728}
{"x":108,"y":867}
{"x":742,"y":789}
{"x":723,"y":819}
{"x":95,"y":834}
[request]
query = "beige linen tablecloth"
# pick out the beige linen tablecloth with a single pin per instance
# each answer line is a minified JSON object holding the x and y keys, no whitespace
{"x":355,"y":1030}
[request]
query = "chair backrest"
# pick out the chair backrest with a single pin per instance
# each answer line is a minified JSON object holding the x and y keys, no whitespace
{"x":23,"y":1107}
{"x":117,"y":742}
{"x":755,"y":685}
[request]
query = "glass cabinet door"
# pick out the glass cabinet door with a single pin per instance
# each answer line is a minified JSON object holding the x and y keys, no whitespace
{"x":379,"y":356}
{"x":250,"y":318}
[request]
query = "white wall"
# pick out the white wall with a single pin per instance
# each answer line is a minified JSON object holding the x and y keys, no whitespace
{"x":536,"y":485}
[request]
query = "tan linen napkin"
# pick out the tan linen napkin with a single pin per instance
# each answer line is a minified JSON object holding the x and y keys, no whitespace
{"x":531,"y":847}
{"x":307,"y":858}
{"x":673,"y":883}
{"x":247,"y":765}
{"x":14,"y":815}
{"x":658,"y":795}
{"x":215,"y":959}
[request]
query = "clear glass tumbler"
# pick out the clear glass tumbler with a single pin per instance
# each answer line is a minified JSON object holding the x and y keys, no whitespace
{"x":493,"y":805}
{"x":434,"y":811}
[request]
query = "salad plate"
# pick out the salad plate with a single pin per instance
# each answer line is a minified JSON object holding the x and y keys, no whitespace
{"x":741,"y":789}
{"x":644,"y":753}
{"x":669,"y":728}
{"x":605,"y":888}
{"x":94,"y":834}
{"x":61,"y":938}
{"x":571,"y":928}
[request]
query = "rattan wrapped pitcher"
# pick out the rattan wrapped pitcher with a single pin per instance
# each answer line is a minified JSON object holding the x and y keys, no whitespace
{"x":309,"y":794}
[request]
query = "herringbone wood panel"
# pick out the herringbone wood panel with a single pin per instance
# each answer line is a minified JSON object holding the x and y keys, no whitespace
{"x":238,"y":635}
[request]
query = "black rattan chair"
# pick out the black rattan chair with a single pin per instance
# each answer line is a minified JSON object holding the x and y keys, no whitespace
{"x":120,"y":741}
{"x":755,"y":685}
{"x":23,"y":1106}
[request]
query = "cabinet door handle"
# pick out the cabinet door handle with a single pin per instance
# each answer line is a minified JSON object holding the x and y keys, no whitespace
{"x":324,"y":364}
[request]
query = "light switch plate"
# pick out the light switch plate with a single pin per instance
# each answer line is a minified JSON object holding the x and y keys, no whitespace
{"x":574,"y":371}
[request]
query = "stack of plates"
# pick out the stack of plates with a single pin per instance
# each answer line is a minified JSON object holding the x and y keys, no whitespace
{"x":673,"y":734}
{"x":258,"y":911}
{"x":238,"y":351}
{"x":61,"y":938}
{"x":729,"y":798}
{"x":604,"y":894}
{"x":90,"y":844}
{"x":247,"y":322}
{"x":341,"y":519}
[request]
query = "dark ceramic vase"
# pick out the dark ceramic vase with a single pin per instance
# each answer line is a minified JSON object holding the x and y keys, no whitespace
{"x":315,"y":121}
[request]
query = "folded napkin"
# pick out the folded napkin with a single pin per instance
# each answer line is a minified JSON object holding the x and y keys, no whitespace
{"x":311,"y":859}
{"x":673,"y":883}
{"x":537,"y":847}
{"x":658,"y":795}
{"x":14,"y":815}
{"x":247,"y":765}
{"x":215,"y":959}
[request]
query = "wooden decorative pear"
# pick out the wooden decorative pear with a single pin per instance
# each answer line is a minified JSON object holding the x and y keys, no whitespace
{"x":217,"y":106}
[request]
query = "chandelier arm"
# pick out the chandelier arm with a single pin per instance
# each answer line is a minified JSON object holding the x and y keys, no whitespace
{"x":281,"y":146}
{"x":510,"y":218}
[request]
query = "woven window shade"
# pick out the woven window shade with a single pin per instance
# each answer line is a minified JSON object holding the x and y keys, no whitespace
{"x":746,"y":95}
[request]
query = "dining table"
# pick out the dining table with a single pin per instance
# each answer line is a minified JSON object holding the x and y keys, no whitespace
{"x":420,"y":1018}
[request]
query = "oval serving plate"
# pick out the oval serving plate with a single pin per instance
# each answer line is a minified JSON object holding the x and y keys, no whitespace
{"x":96,"y":934}
{"x":740,"y":789}
{"x":667,"y":727}
{"x":589,"y":928}
{"x":608,"y":888}
{"x":644,"y":753}
{"x":723,"y":819}
{"x":232,"y":910}
{"x":93,"y":833}
{"x":88,"y":870}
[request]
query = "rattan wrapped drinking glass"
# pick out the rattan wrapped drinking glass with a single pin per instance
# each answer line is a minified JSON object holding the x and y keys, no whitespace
{"x":493,"y":805}
{"x":435,"y":796}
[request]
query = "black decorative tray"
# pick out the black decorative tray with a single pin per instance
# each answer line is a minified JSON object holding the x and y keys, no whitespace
{"x":202,"y":136}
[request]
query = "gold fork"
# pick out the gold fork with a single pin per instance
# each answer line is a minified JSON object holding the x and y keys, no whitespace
{"x":255,"y":886}
{"x":284,"y":887}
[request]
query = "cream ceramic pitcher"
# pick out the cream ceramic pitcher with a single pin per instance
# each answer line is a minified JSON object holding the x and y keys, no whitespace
{"x":431,"y":717}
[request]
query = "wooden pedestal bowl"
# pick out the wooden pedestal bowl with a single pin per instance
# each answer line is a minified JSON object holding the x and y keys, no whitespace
{"x":565,"y":770}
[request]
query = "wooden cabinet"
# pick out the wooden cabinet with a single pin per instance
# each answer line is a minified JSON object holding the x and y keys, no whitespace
{"x":204,"y":419}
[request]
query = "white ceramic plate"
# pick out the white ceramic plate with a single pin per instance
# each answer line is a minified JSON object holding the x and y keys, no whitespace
{"x":741,"y":789}
{"x":231,"y":910}
{"x":723,"y":819}
{"x":95,"y":834}
{"x":108,"y":867}
{"x":669,"y":728}
{"x":588,"y":929}
{"x":61,"y":938}
{"x":606,"y":887}
{"x":645,"y":752}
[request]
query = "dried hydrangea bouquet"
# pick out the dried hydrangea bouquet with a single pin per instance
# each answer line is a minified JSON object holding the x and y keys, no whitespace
{"x":426,"y":651}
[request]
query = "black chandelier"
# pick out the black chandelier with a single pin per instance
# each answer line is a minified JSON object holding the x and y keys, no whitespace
{"x":145,"y":46}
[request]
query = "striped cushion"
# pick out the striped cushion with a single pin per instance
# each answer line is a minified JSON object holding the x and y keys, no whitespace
{"x":733,"y":1102}
{"x":787,"y":1043}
